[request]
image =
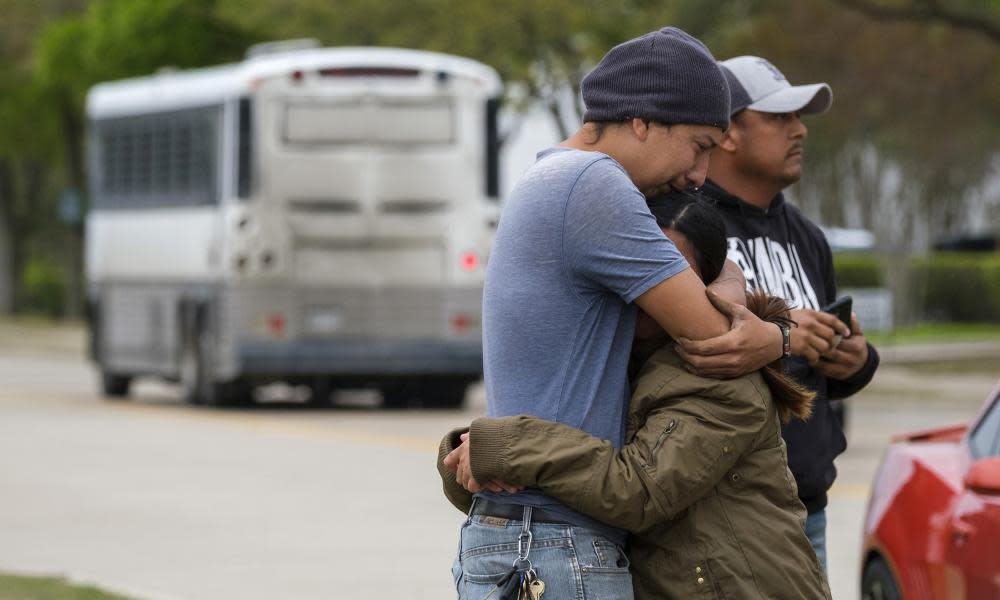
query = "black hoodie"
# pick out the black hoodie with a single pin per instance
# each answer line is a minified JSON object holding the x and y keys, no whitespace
{"x":786,"y":255}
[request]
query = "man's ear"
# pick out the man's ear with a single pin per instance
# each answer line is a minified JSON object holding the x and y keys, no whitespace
{"x":640,"y":128}
{"x":730,"y":139}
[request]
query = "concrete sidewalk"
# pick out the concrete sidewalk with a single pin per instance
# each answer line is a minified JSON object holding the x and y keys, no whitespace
{"x":940,"y":352}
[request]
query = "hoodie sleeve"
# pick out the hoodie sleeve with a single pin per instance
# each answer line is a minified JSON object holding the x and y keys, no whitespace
{"x":843,"y":388}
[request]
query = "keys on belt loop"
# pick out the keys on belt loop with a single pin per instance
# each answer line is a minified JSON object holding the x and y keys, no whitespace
{"x":524,"y":540}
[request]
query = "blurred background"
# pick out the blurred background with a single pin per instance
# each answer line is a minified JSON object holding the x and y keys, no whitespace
{"x":908,"y":153}
{"x":155,"y":498}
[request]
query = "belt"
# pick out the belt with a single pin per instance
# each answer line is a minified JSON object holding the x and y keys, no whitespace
{"x":515,"y":512}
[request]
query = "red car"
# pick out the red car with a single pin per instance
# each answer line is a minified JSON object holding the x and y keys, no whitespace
{"x":933,"y":525}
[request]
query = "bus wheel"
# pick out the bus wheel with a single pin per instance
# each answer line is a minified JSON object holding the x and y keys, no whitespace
{"x":196,"y":379}
{"x":447,"y":393}
{"x":319,"y":392}
{"x":400,"y":394}
{"x":229,"y":393}
{"x":115,"y":386}
{"x":427,"y":393}
{"x":191,"y":370}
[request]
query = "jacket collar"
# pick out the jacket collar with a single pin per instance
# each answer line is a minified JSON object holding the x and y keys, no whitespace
{"x":734,"y":203}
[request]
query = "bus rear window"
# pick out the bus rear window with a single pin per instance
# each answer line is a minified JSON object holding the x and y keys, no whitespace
{"x":318,"y":123}
{"x":387,"y":121}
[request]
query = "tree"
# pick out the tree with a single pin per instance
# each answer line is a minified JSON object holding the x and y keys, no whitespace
{"x":115,"y":39}
{"x":543,"y":48}
{"x":975,"y":16}
{"x":26,"y":138}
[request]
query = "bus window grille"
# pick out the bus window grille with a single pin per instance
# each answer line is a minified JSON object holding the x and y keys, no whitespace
{"x":161,"y":158}
{"x":182,"y":154}
{"x":144,"y":160}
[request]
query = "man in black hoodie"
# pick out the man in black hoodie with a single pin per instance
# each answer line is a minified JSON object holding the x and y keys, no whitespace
{"x":783,"y":253}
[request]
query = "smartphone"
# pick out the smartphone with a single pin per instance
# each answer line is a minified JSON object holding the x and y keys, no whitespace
{"x":841,"y":308}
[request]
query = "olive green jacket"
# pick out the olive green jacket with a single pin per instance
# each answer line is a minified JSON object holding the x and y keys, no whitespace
{"x":702,"y":482}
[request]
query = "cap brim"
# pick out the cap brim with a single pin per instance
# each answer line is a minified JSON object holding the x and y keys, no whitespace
{"x":807,"y":99}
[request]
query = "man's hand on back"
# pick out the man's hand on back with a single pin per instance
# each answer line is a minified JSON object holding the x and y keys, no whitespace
{"x":748,"y":345}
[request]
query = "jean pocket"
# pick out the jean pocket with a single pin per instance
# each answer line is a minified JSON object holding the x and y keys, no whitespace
{"x":609,"y":557}
{"x":477,"y":586}
{"x":606,"y":584}
{"x":483,"y":568}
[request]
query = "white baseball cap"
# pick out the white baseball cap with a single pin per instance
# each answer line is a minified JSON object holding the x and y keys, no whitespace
{"x":756,"y":84}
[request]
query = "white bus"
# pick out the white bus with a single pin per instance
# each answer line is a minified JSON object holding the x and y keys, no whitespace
{"x":318,"y":216}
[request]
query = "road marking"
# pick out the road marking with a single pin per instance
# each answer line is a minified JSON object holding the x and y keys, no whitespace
{"x":850,"y":490}
{"x":257,"y":422}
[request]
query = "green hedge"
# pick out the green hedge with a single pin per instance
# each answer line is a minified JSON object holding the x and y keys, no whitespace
{"x":958,"y":286}
{"x":857,"y":270}
{"x":44,"y":287}
{"x":945,"y":286}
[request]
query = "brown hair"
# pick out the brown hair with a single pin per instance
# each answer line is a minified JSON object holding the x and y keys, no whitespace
{"x":790,"y":397}
{"x":705,"y":229}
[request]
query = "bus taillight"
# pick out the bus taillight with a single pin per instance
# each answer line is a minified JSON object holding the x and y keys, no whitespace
{"x":297,"y":76}
{"x":276,"y":324}
{"x":459,"y":323}
{"x":469,"y":261}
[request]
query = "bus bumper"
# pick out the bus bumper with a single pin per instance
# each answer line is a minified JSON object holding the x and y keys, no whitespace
{"x":361,"y":358}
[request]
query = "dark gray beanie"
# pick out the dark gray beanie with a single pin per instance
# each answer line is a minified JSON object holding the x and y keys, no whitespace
{"x":665,"y":76}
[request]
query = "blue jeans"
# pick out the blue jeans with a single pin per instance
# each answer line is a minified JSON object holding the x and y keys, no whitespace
{"x":573,"y":562}
{"x":816,"y":532}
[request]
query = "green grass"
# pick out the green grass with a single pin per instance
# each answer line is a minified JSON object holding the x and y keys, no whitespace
{"x":21,"y":587}
{"x":937,"y":332}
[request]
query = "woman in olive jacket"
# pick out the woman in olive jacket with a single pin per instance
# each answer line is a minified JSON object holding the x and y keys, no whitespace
{"x":703,"y":481}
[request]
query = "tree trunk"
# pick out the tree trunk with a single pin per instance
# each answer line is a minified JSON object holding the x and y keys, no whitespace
{"x":555,"y":111}
{"x":73,"y":249}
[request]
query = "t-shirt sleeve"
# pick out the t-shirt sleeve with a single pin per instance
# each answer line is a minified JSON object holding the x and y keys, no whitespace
{"x":610,"y":239}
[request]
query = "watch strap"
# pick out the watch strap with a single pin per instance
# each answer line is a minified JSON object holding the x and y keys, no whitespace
{"x":786,"y":340}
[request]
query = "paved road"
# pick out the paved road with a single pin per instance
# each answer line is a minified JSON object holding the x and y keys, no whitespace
{"x":164,"y":501}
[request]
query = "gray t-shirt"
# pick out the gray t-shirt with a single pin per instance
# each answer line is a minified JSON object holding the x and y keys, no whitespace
{"x":575,"y":247}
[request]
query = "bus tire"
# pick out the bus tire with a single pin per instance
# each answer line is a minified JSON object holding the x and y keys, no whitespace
{"x":444,"y":392}
{"x":320,"y":391}
{"x":229,"y":393}
{"x":399,"y":395}
{"x":196,"y":379}
{"x":114,"y":386}
{"x":191,"y":369}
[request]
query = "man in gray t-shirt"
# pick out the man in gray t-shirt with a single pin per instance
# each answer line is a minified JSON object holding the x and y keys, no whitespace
{"x":575,"y":263}
{"x":576,"y":250}
{"x":558,"y":316}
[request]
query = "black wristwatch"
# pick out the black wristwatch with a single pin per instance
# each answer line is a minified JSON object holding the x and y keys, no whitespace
{"x":786,"y":340}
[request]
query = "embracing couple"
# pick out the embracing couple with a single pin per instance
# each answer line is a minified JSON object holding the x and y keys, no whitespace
{"x":634,"y":442}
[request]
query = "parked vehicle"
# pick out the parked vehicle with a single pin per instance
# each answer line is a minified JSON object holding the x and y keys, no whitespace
{"x":932,"y":531}
{"x":311,"y":215}
{"x":969,"y":242}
